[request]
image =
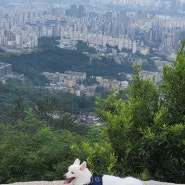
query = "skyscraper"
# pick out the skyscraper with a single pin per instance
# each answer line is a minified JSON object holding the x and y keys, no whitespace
{"x":81,"y":11}
{"x":173,"y":7}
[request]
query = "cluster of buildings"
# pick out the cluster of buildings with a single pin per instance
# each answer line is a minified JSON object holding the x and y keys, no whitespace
{"x":22,"y":24}
{"x":136,"y":31}
{"x":67,"y":82}
{"x":6,"y":72}
{"x":165,"y":5}
{"x":72,"y":82}
{"x":144,"y":29}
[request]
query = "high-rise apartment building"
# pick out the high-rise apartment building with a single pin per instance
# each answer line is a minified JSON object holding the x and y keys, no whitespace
{"x":173,"y":7}
{"x":81,"y":11}
{"x":5,"y":69}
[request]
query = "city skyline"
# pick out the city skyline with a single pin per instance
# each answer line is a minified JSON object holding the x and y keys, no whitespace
{"x":22,"y":24}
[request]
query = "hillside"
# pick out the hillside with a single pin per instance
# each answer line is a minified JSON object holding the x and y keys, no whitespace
{"x":143,"y":134}
{"x":48,"y":57}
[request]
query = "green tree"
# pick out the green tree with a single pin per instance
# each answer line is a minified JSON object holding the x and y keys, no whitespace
{"x":163,"y":145}
{"x":163,"y":150}
{"x":125,"y":118}
{"x":98,"y":153}
{"x":18,"y":110}
{"x":99,"y":156}
{"x":31,"y":151}
{"x":48,"y":42}
{"x":143,"y":97}
{"x":83,"y":47}
{"x":146,"y":131}
{"x":173,"y":89}
{"x":47,"y":106}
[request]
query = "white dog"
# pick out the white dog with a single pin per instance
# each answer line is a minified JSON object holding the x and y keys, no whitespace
{"x":79,"y":174}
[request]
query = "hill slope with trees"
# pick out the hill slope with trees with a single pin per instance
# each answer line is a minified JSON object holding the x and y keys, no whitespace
{"x":48,"y":57}
{"x":142,"y":135}
{"x":146,"y":132}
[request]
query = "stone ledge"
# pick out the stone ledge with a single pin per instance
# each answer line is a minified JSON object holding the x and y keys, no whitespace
{"x":151,"y":182}
{"x":37,"y":183}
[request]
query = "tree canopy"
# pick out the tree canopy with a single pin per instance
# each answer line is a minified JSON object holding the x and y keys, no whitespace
{"x":142,"y":135}
{"x":47,"y":57}
{"x":146,"y":131}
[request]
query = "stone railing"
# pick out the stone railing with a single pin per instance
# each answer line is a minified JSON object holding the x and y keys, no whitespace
{"x":151,"y":182}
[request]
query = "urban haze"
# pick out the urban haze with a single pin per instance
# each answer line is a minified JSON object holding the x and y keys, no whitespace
{"x":137,"y":26}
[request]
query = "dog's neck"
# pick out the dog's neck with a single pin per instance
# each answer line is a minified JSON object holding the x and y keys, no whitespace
{"x":95,"y":180}
{"x":85,"y":180}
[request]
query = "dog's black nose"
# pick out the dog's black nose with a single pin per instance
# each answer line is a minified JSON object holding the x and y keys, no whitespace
{"x":64,"y":176}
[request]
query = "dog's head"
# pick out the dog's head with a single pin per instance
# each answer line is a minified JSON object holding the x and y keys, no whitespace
{"x":77,"y":174}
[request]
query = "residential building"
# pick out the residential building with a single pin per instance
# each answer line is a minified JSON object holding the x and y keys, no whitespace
{"x":5,"y":69}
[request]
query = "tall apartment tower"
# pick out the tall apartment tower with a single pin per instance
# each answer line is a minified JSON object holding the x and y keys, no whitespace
{"x":73,"y":11}
{"x":134,"y":47}
{"x":81,"y":11}
{"x":5,"y":69}
{"x":173,"y":7}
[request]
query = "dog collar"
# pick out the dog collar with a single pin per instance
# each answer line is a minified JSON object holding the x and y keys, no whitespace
{"x":95,"y":180}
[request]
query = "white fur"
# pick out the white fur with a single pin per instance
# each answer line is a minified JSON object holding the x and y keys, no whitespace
{"x":82,"y":175}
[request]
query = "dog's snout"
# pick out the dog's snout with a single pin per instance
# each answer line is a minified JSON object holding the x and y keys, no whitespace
{"x":64,"y":176}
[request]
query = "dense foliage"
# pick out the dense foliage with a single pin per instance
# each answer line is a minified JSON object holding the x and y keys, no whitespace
{"x":143,"y":134}
{"x":147,"y":131}
{"x":32,"y":151}
{"x":83,"y":47}
{"x":16,"y":95}
{"x":48,"y":57}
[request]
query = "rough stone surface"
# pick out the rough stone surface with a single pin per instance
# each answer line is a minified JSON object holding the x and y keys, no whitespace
{"x":37,"y":183}
{"x":151,"y":182}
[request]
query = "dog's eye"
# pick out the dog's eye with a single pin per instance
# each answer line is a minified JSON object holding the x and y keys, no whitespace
{"x":72,"y":172}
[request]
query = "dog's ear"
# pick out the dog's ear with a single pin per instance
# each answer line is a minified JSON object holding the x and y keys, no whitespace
{"x":83,"y":166}
{"x":77,"y":161}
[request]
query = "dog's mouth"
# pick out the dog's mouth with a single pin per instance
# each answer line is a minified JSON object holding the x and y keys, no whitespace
{"x":69,"y":180}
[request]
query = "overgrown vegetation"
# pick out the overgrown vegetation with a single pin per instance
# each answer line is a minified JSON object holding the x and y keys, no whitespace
{"x":16,"y":97}
{"x":32,"y":151}
{"x":143,"y":134}
{"x":147,"y":130}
